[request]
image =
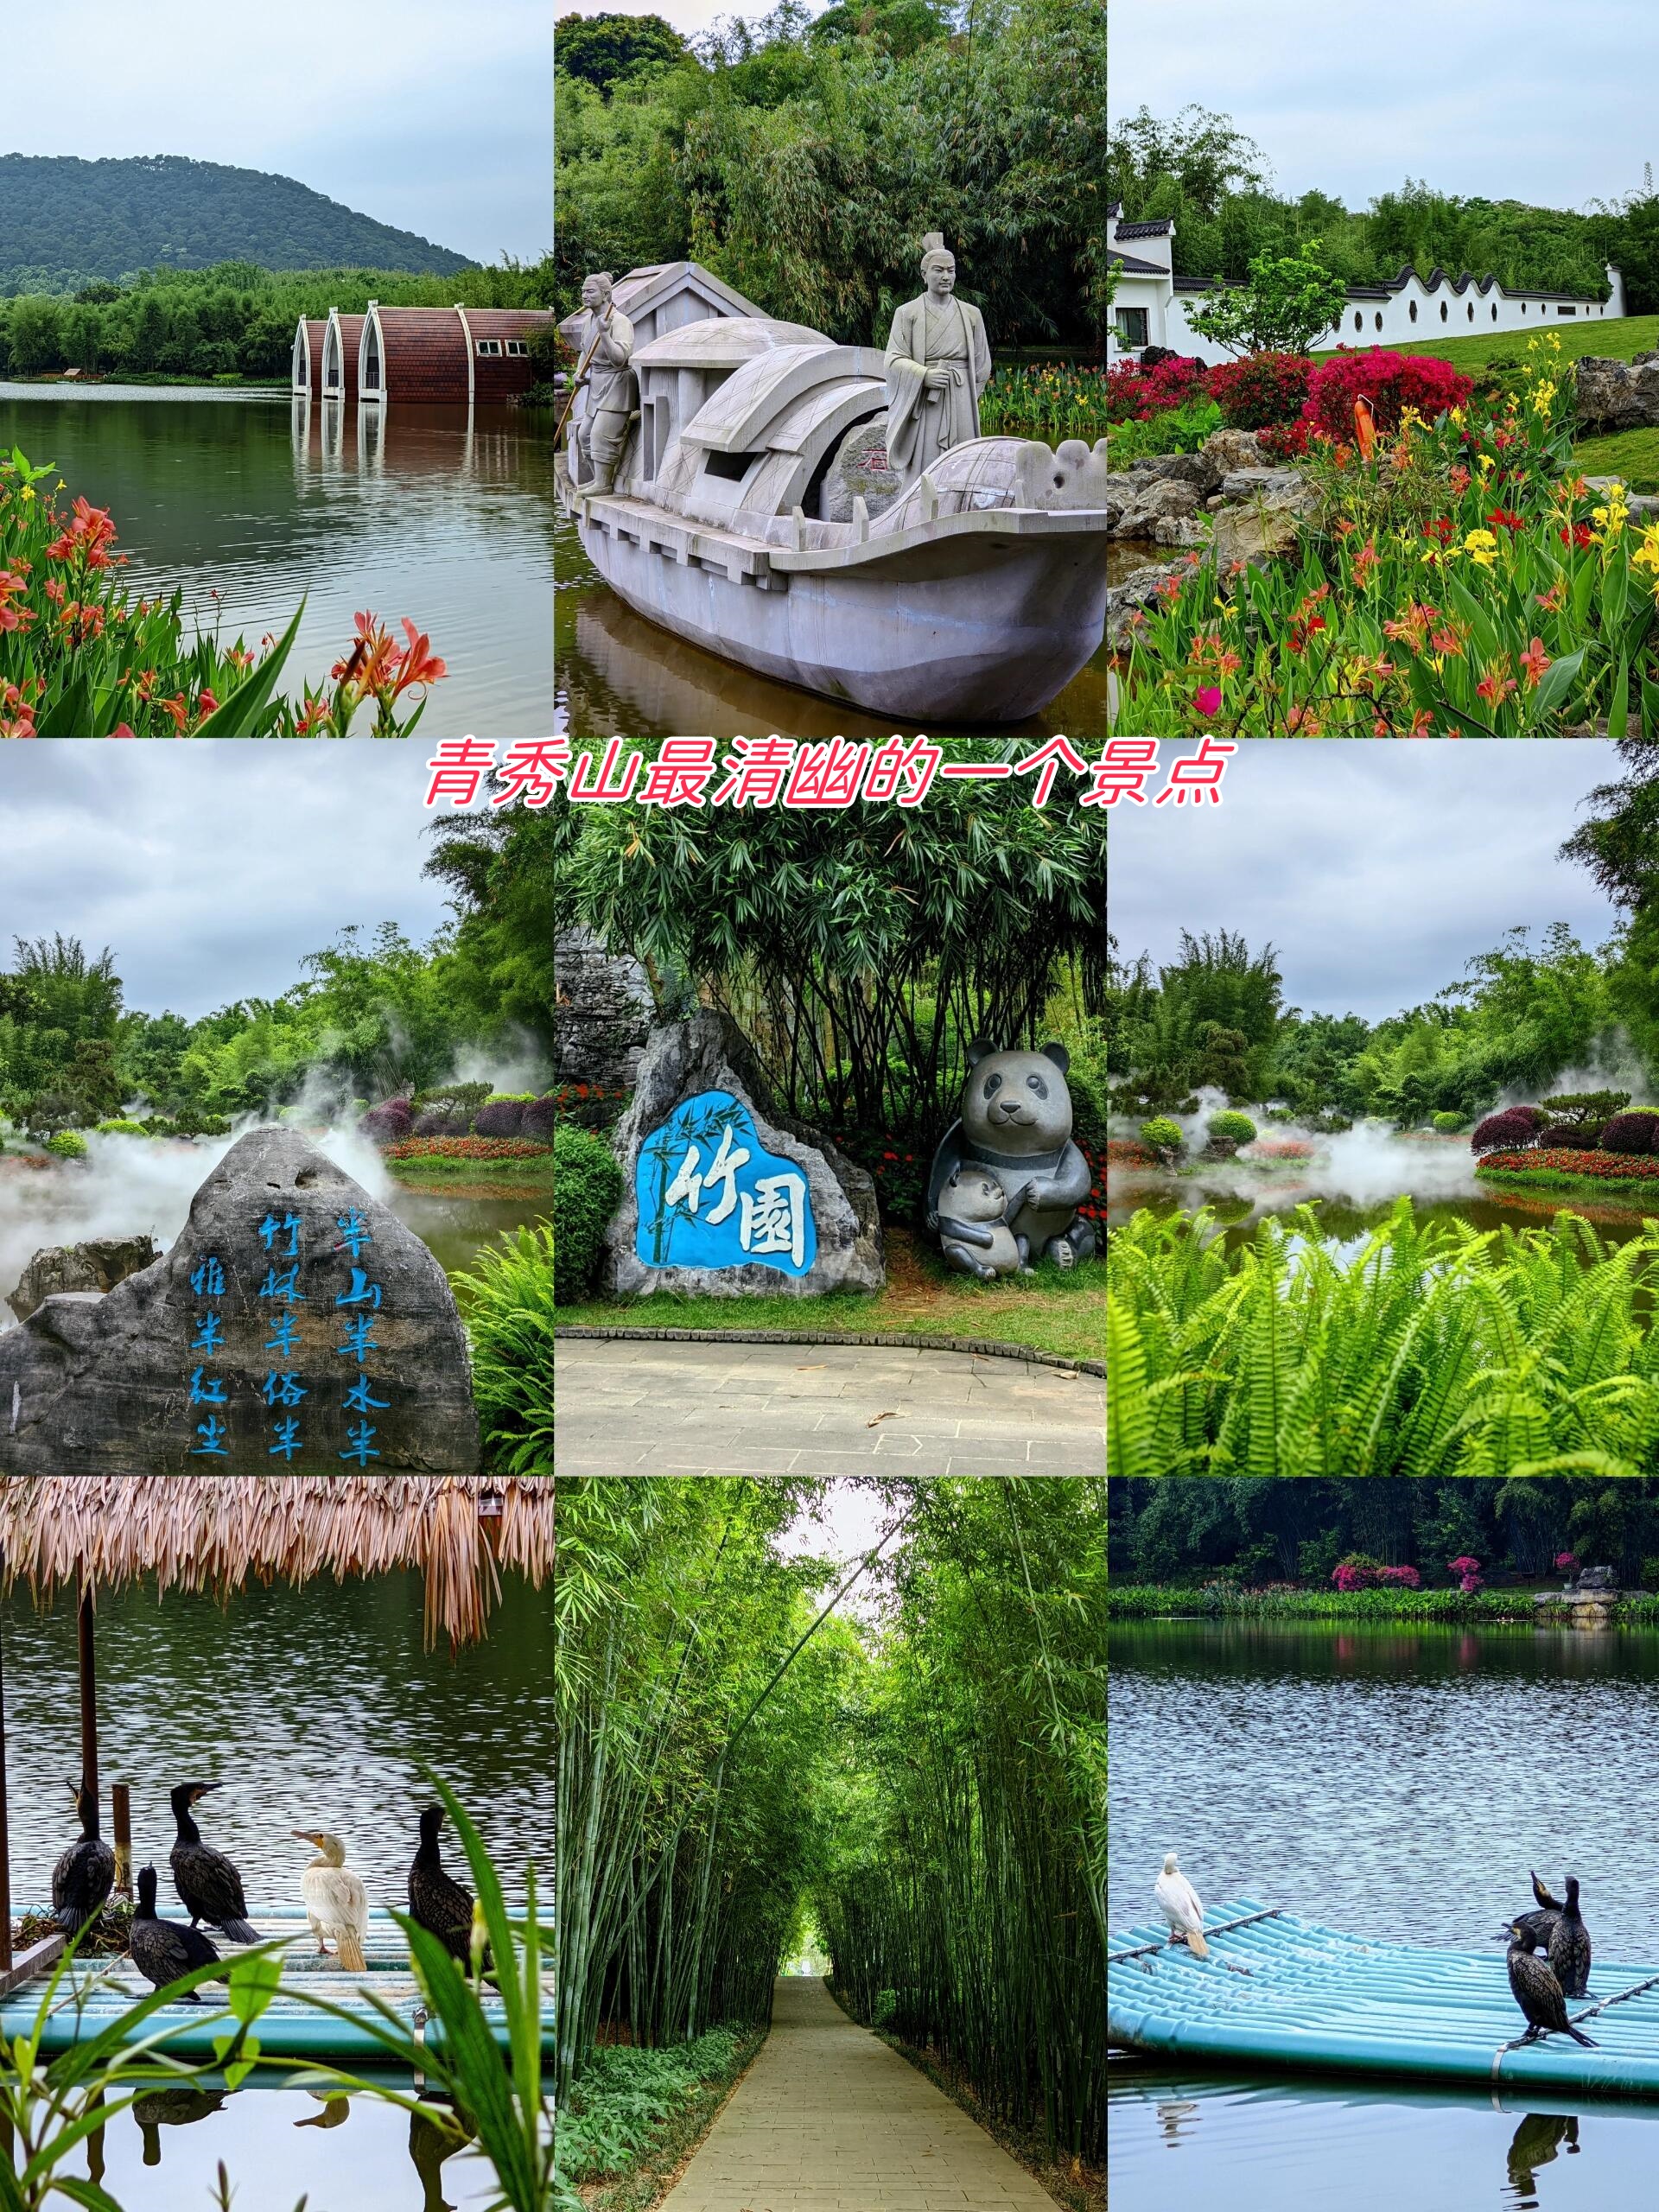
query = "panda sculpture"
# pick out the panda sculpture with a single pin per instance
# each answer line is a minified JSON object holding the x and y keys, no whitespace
{"x":1016,"y":1123}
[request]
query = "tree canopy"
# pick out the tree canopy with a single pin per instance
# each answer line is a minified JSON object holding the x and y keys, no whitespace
{"x":602,"y":49}
{"x":804,"y":162}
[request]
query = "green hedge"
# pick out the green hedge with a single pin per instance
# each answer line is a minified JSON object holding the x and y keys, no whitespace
{"x":587,"y":1189}
{"x":1144,"y":1601}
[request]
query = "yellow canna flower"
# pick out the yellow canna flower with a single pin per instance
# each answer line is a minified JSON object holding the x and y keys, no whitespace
{"x":1481,"y":547}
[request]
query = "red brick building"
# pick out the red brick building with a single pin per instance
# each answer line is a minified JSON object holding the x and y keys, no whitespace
{"x":447,"y":357}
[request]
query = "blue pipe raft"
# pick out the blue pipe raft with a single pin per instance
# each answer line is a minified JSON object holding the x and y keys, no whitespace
{"x":99,"y":1990}
{"x":1280,"y":1990}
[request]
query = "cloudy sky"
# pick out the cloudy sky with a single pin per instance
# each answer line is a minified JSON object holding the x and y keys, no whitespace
{"x":1518,"y":98}
{"x":210,"y":870}
{"x":1376,"y":869}
{"x":427,"y":114}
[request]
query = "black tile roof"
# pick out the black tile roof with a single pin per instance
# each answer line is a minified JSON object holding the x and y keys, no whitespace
{"x":1146,"y":230}
{"x":1132,"y":267}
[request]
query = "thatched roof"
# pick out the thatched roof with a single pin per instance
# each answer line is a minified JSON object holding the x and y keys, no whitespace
{"x":217,"y":1532}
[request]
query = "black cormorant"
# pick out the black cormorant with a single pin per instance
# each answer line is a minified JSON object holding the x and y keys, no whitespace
{"x":1538,"y":1924}
{"x":440,"y":1906}
{"x":1569,"y":1946}
{"x":162,"y":1949}
{"x":208,"y":1886}
{"x":1537,"y":1992}
{"x":85,"y":1875}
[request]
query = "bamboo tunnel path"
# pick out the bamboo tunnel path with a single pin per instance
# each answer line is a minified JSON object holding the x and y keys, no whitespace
{"x":828,"y":2119}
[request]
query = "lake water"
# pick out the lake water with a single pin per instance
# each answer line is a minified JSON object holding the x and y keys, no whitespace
{"x":402,"y":511}
{"x":620,"y":674}
{"x":1398,"y":1782}
{"x":315,"y":1708}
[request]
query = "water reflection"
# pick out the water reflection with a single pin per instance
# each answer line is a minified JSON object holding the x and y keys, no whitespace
{"x":617,"y":673}
{"x":425,"y":513}
{"x":1394,"y":1782}
{"x":1266,"y":2144}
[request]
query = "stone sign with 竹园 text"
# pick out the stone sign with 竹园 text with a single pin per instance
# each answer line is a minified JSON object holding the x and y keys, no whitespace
{"x":296,"y":1325}
{"x":721,"y":1193}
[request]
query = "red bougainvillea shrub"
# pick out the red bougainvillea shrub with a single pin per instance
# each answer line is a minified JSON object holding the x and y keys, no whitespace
{"x":1392,"y":382}
{"x":1515,"y":1126}
{"x":1631,"y":1133}
{"x":1133,"y":393}
{"x":1261,"y":390}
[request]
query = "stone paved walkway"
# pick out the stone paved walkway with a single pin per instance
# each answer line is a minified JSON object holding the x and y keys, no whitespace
{"x":828,"y":2119}
{"x":650,"y":1406}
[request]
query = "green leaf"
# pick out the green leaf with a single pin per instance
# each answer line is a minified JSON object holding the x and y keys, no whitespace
{"x":243,"y":712}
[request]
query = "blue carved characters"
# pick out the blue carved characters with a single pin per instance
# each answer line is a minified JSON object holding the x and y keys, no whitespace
{"x":711,"y":1195}
{"x":1016,"y":1127}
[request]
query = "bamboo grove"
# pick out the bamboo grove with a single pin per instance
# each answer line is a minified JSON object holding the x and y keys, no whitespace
{"x":917,"y":1778}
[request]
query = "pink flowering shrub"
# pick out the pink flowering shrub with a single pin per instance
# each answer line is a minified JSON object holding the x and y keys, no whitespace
{"x":1565,"y":1562}
{"x":1391,"y":382}
{"x":1261,"y":390}
{"x":1133,"y":393}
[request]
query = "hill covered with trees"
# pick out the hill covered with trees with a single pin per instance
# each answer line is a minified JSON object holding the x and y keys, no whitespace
{"x":67,"y":223}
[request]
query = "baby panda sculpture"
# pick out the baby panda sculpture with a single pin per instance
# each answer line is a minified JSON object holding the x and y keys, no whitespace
{"x":1016,"y":1126}
{"x":974,"y":1232}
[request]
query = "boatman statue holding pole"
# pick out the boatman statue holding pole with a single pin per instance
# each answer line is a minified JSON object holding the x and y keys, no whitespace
{"x":606,"y":350}
{"x":938,"y":362}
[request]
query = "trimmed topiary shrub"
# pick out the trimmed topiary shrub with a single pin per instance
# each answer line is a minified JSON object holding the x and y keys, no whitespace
{"x":1236,"y":1128}
{"x":586,"y":1188}
{"x":121,"y":1128}
{"x":1263,"y":389}
{"x":540,"y":1116}
{"x":1161,"y":1134}
{"x":1635,"y":1132}
{"x":1567,"y":1134}
{"x":1449,"y":1125}
{"x":68,"y":1144}
{"x":1515,"y":1129}
{"x":387,"y":1123}
{"x":500,"y":1118}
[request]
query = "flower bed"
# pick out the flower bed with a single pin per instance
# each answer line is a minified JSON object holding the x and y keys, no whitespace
{"x":81,"y":657}
{"x":1128,"y":1152}
{"x":1458,"y":579}
{"x":1053,"y":402}
{"x":1279,"y":1148}
{"x":465,"y":1149}
{"x":1560,"y":1160}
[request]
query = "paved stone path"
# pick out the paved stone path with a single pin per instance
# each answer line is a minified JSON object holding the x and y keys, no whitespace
{"x":652,"y":1406}
{"x":828,"y":2119}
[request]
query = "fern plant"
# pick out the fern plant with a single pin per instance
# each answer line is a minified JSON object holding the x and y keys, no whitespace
{"x":1430,"y":1348}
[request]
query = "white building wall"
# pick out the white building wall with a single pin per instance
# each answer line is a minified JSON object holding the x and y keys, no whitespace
{"x":1390,"y":320}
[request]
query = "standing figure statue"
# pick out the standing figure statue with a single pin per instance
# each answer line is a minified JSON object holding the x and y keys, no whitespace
{"x":938,"y":362}
{"x":605,"y":350}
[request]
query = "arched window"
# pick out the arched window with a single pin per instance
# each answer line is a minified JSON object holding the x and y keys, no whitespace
{"x":1443,"y":310}
{"x":371,"y":358}
{"x":1494,"y":310}
{"x":1472,"y":310}
{"x":1414,"y":310}
{"x":1379,"y":322}
{"x":1359,"y":321}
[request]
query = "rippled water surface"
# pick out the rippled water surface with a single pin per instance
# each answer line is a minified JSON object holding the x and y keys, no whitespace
{"x":617,"y":673}
{"x":1399,"y":1783}
{"x":313,"y":1707}
{"x":405,"y":512}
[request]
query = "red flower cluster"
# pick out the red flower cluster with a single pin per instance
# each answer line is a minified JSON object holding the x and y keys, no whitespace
{"x":1595,"y":1167}
{"x":1260,"y":391}
{"x":1127,"y":1152}
{"x":1135,"y":394}
{"x":1391,"y":382}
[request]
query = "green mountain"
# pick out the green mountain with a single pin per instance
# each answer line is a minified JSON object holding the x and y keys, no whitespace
{"x":66,"y":223}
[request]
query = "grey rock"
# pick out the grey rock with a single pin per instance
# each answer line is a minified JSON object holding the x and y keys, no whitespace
{"x":1266,"y":525}
{"x":1258,"y":483}
{"x":1616,"y":395}
{"x":97,"y":1265}
{"x":1138,"y":590}
{"x":1231,"y":449}
{"x":710,"y":1053}
{"x":1137,"y":508}
{"x":1197,"y":469}
{"x":102,"y":1383}
{"x":602,"y":1011}
{"x":859,"y":470}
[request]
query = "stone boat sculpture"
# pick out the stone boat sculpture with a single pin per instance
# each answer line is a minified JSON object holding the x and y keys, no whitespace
{"x":973,"y":593}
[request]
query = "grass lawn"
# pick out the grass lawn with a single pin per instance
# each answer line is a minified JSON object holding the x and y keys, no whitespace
{"x":474,"y":1178}
{"x":1642,"y":1188}
{"x":1056,"y":1310}
{"x":1618,"y":339}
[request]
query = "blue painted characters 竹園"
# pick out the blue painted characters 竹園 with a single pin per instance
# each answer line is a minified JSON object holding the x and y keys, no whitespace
{"x":1016,"y":1128}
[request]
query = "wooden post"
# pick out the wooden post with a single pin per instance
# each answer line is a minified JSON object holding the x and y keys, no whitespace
{"x":88,"y":1695}
{"x":121,"y":1815}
